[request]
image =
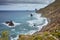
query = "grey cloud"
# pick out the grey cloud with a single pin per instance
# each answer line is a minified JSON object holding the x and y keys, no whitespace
{"x":24,"y":1}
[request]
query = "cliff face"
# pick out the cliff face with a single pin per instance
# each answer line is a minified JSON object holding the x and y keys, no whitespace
{"x":52,"y":12}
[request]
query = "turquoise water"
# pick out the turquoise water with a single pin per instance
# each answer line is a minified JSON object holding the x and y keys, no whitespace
{"x":17,"y":16}
{"x":26,"y":22}
{"x":21,"y":17}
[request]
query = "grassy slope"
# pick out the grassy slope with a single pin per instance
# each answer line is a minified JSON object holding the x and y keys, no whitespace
{"x":53,"y":13}
{"x":52,"y":30}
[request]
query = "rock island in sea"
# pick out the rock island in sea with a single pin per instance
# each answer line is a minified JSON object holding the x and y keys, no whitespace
{"x":11,"y":23}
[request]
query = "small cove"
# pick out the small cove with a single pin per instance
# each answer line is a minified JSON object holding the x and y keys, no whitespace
{"x":23,"y":17}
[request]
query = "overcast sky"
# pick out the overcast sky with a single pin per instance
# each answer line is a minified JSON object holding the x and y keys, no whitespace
{"x":24,"y":1}
{"x":16,"y":4}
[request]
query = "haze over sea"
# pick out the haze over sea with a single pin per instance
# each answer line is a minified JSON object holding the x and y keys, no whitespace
{"x":19,"y":12}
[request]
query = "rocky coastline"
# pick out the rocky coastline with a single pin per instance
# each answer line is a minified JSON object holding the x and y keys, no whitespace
{"x":49,"y":32}
{"x":51,"y":12}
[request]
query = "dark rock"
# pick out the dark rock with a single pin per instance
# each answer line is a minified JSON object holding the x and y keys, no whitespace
{"x":36,"y":10}
{"x":31,"y":15}
{"x":34,"y":25}
{"x":11,"y":23}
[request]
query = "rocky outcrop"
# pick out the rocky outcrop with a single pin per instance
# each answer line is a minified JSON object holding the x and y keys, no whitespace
{"x":10,"y":23}
{"x":52,"y":12}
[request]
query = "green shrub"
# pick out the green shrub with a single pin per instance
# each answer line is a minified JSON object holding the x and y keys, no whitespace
{"x":4,"y":35}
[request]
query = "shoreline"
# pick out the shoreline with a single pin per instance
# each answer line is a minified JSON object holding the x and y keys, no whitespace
{"x":52,"y":15}
{"x":48,"y":19}
{"x":51,"y":12}
{"x":39,"y":26}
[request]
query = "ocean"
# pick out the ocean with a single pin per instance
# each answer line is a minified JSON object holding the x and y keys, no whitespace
{"x":25,"y":20}
{"x":20,"y":14}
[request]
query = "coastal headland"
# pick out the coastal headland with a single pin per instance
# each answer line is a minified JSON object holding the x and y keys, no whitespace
{"x":51,"y":12}
{"x":49,"y":32}
{"x":52,"y":30}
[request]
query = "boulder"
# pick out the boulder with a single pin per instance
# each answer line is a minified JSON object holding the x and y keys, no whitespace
{"x":11,"y":23}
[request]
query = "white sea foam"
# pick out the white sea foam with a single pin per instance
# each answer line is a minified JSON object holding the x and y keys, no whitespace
{"x":41,"y":26}
{"x":15,"y":38}
{"x":12,"y":29}
{"x":15,"y":24}
{"x":30,"y":32}
{"x":39,"y":22}
{"x":37,"y":16}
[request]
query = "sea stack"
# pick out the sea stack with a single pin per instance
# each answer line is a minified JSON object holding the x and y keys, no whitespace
{"x":31,"y":15}
{"x":10,"y":23}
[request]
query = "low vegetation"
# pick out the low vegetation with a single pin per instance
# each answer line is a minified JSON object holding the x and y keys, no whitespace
{"x":53,"y":34}
{"x":47,"y":35}
{"x":4,"y":35}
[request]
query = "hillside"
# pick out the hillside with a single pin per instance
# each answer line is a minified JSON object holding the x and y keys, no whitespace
{"x":50,"y":31}
{"x":52,"y":12}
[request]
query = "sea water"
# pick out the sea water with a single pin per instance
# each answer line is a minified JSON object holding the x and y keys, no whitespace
{"x":26,"y":23}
